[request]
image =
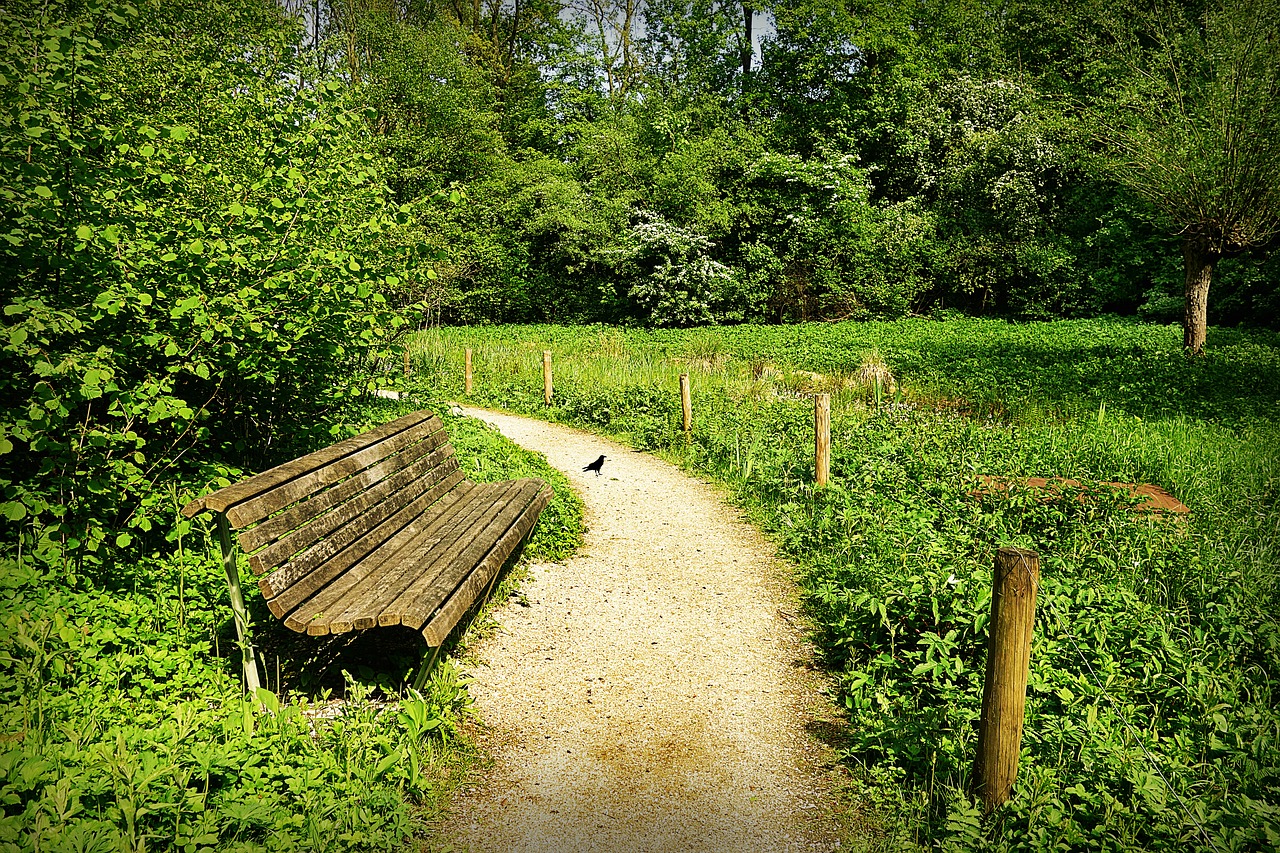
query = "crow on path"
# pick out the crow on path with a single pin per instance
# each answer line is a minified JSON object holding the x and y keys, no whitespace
{"x":595,"y":466}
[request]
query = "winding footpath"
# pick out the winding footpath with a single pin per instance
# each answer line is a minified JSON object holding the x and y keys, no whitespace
{"x":655,"y":693}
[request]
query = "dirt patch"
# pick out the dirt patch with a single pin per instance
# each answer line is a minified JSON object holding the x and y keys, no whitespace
{"x":654,"y":695}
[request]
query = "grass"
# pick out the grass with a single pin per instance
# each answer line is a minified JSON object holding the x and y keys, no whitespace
{"x":1152,"y":720}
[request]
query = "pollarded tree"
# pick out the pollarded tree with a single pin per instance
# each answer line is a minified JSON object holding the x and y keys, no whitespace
{"x":1195,"y":131}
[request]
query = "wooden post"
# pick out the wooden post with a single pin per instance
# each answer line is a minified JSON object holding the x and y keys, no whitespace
{"x":546,"y":376}
{"x":1004,"y":694}
{"x":466,"y":376}
{"x":686,"y":405}
{"x":248,"y":658}
{"x":406,"y":362}
{"x":822,"y":438}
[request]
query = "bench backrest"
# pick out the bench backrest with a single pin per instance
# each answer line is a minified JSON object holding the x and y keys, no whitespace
{"x":311,"y":519}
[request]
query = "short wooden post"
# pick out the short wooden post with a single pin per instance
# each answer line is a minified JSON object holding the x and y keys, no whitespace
{"x":822,"y":438}
{"x":546,"y":376}
{"x":686,"y":404}
{"x":406,"y":362}
{"x":1004,"y":694}
{"x":240,"y":614}
{"x":466,"y":375}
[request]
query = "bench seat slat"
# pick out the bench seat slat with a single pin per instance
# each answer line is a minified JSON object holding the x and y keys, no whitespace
{"x":422,"y":556}
{"x":430,"y":589}
{"x":447,"y":616}
{"x":305,"y":485}
{"x":246,"y":489}
{"x":278,"y":526}
{"x":368,"y":505}
{"x":298,"y":579}
{"x":318,"y":613}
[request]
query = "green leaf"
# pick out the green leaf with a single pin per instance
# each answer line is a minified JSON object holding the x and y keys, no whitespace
{"x":196,"y":247}
{"x":6,"y":446}
{"x":44,"y":192}
{"x":13,"y":510}
{"x":123,"y":540}
{"x":85,"y":233}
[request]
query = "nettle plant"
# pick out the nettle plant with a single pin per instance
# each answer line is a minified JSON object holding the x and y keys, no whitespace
{"x":683,"y":282}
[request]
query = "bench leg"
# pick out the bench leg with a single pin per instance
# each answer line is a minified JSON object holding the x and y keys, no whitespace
{"x":428,"y":663}
{"x":248,"y":657}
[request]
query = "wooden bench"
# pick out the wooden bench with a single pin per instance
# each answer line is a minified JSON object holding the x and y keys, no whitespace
{"x":378,"y":530}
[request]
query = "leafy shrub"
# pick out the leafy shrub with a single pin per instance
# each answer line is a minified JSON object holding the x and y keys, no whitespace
{"x":190,"y":267}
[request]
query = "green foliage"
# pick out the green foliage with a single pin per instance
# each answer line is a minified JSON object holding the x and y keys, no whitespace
{"x":1151,"y":715}
{"x":122,"y":729}
{"x":195,"y":251}
{"x":122,"y":719}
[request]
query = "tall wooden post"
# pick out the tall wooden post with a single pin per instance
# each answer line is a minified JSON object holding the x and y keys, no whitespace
{"x":240,"y":613}
{"x":466,"y":375}
{"x":546,"y":376}
{"x":686,"y":404}
{"x":406,"y":362}
{"x":822,"y":438}
{"x":1004,"y":694}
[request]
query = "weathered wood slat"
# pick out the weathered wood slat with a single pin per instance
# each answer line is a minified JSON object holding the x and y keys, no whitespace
{"x":305,"y":485}
{"x":364,"y":508}
{"x":428,"y":590}
{"x":443,"y":555}
{"x":446,"y":617}
{"x":244,"y":490}
{"x":280,"y":525}
{"x":297,"y":580}
{"x":359,"y":584}
{"x":419,"y":557}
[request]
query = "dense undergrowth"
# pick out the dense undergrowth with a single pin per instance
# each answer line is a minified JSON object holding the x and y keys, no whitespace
{"x":1152,"y":720}
{"x":123,"y":723}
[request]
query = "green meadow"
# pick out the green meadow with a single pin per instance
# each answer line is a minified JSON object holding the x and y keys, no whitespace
{"x":1152,"y":720}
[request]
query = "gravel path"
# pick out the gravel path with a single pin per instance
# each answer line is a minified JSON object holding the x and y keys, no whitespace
{"x":654,"y":694}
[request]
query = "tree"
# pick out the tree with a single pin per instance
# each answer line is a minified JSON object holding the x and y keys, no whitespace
{"x":1192,"y":131}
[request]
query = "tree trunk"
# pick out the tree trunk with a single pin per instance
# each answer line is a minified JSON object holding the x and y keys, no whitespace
{"x":748,"y":49}
{"x":1199,"y":261}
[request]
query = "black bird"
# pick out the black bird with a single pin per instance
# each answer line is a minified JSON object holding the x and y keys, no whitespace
{"x":595,"y":466}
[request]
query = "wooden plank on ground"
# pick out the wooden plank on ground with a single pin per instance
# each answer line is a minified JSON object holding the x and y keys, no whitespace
{"x":247,"y":489}
{"x":1154,"y":498}
{"x":446,"y":617}
{"x":282,"y":524}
